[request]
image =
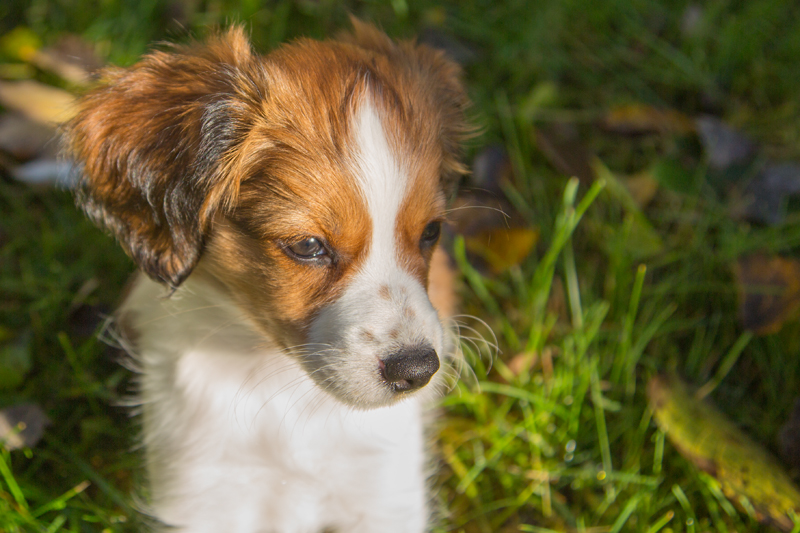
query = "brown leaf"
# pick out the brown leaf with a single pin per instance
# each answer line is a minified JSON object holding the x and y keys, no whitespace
{"x":502,"y":247}
{"x":769,"y":291}
{"x":39,"y":102}
{"x":640,"y":119}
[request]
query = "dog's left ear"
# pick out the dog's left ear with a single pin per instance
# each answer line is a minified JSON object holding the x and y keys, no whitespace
{"x":439,"y":75}
{"x":158,"y":145}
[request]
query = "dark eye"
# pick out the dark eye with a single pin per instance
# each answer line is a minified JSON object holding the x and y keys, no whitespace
{"x":430,"y":234}
{"x":310,"y":249}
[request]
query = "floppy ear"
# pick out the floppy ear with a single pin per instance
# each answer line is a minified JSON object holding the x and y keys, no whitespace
{"x":440,"y":76}
{"x":158,"y":148}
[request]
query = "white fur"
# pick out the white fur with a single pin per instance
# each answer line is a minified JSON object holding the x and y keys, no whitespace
{"x":351,"y":366}
{"x":240,"y":439}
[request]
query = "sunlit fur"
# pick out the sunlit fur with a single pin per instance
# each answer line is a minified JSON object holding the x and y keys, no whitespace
{"x":265,"y":400}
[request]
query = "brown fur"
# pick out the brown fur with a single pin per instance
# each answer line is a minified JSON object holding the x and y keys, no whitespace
{"x":212,"y":150}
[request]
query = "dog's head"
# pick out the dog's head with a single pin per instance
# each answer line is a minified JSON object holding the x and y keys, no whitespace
{"x":312,"y":182}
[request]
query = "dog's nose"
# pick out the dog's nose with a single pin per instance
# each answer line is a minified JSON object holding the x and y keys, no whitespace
{"x":410,"y":368}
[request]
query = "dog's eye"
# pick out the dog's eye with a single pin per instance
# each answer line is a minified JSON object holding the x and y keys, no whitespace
{"x":310,"y":249}
{"x":430,"y":234}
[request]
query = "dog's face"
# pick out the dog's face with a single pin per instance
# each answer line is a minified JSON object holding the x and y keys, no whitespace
{"x":311,"y":184}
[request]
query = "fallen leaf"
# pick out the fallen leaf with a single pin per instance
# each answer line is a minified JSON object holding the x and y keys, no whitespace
{"x":502,"y":247}
{"x":715,"y":445}
{"x":769,"y":291}
{"x":769,"y":192}
{"x":39,"y":102}
{"x":562,"y":146}
{"x":724,"y":146}
{"x":22,"y":426}
{"x":640,"y":119}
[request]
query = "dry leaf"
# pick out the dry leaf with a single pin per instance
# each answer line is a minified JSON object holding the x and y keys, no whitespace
{"x":502,"y":247}
{"x":39,"y":102}
{"x":769,"y":291}
{"x":639,"y":119}
{"x":743,"y":469}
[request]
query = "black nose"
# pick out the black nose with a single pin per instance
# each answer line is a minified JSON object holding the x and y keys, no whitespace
{"x":410,"y":368}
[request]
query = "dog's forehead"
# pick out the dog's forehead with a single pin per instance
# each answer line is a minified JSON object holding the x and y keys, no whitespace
{"x":352,"y":142}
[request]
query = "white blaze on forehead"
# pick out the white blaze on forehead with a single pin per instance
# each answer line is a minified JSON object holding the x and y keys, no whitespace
{"x":380,"y":177}
{"x":384,"y":308}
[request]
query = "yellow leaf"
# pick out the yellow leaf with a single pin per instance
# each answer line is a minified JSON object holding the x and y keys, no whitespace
{"x":39,"y":102}
{"x":637,"y":119}
{"x":746,"y":472}
{"x":503,"y":248}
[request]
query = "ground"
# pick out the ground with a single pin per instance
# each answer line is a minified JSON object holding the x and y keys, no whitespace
{"x":672,"y":252}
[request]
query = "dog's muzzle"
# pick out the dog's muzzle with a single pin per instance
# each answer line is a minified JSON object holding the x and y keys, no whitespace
{"x":410,"y":369}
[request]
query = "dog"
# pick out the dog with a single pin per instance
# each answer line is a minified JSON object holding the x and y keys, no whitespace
{"x":284,"y":211}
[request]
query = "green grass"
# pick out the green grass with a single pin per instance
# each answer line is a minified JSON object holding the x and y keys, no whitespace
{"x":550,"y":432}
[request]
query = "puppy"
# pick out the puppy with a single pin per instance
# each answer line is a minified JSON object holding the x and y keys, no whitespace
{"x":285,"y":211}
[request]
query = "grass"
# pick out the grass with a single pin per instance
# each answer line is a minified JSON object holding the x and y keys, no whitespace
{"x":551,"y":431}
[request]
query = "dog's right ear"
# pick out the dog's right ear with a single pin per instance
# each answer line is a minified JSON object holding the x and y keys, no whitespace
{"x":158,"y":147}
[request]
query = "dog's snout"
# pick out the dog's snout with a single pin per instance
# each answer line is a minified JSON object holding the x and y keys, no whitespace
{"x":410,"y":368}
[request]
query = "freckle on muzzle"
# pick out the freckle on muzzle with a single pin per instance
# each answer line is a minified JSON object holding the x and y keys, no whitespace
{"x":410,"y":368}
